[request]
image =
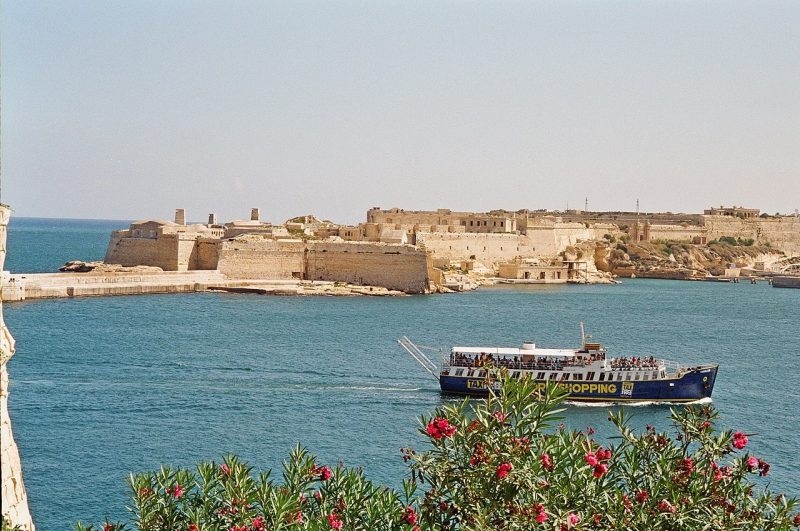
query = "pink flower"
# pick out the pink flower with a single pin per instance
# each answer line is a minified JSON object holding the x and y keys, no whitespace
{"x":225,"y":469}
{"x":547,"y":464}
{"x":176,"y":491}
{"x":108,"y":527}
{"x":439,"y":427}
{"x":599,"y":470}
{"x":239,"y":528}
{"x":541,"y":517}
{"x":410,"y":516}
{"x":500,"y":416}
{"x":752,"y":463}
{"x":705,"y":425}
{"x":666,"y":507}
{"x":298,"y":518}
{"x":503,"y":470}
{"x":334,"y":521}
{"x":258,"y":523}
{"x":192,"y":527}
{"x":739,"y":440}
{"x":590,"y":459}
{"x":641,"y":496}
{"x":763,"y":467}
{"x":573,"y":519}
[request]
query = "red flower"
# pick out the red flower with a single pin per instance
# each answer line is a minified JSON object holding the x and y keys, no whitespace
{"x":547,"y":464}
{"x":590,"y":459}
{"x":108,"y":527}
{"x":500,"y":416}
{"x":299,"y":517}
{"x":752,"y":463}
{"x":599,"y":470}
{"x":687,"y":465}
{"x":626,"y":502}
{"x":324,"y":473}
{"x":176,"y":491}
{"x":258,"y":523}
{"x":503,"y":470}
{"x":192,"y":527}
{"x":739,"y":440}
{"x":439,"y":427}
{"x":410,"y":516}
{"x":239,"y":528}
{"x":603,"y":454}
{"x":541,"y":517}
{"x":225,"y":469}
{"x":334,"y":521}
{"x":641,"y":496}
{"x":666,"y":507}
{"x":705,"y":425}
{"x":763,"y":467}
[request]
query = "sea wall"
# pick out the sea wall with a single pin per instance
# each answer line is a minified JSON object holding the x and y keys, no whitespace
{"x":676,"y":232}
{"x":14,"y":498}
{"x":398,"y":267}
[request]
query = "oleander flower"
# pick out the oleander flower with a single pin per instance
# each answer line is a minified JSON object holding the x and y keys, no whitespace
{"x":547,"y":463}
{"x":440,"y":427}
{"x":752,"y":463}
{"x":573,"y":519}
{"x":739,"y":440}
{"x":591,"y":459}
{"x":503,"y":470}
{"x":599,"y":470}
{"x":334,"y":521}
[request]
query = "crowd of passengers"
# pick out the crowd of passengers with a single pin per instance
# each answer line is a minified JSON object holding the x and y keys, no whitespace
{"x":627,"y":364}
{"x":485,"y":360}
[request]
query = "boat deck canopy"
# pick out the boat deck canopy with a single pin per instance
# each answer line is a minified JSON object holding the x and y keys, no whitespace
{"x":495,"y":351}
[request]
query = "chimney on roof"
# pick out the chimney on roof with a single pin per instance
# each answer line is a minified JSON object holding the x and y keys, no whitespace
{"x":180,"y":216}
{"x":212,"y":219}
{"x":255,"y":214}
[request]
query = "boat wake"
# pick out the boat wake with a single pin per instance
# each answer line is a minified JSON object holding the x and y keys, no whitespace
{"x":643,"y":403}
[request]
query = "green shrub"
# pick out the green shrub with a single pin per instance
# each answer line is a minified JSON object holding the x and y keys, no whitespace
{"x":500,"y":463}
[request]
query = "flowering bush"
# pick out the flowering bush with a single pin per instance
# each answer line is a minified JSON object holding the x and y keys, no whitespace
{"x":499,"y":463}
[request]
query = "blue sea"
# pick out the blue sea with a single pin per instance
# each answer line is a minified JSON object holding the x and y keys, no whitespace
{"x":101,"y":387}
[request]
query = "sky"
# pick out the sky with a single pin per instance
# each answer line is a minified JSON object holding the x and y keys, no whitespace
{"x":131,"y":109}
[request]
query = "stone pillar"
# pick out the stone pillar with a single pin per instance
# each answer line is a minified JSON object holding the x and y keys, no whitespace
{"x":212,"y":219}
{"x":14,"y":499}
{"x":180,"y":216}
{"x":255,"y":214}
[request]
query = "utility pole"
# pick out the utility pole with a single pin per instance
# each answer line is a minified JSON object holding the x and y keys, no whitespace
{"x":586,"y":205}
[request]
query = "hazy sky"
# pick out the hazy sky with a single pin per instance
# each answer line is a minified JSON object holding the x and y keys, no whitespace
{"x":129,"y":109}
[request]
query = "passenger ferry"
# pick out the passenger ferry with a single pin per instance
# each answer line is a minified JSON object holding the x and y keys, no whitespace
{"x":588,"y":373}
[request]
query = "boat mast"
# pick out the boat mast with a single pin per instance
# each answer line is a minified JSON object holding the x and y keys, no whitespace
{"x":583,"y":335}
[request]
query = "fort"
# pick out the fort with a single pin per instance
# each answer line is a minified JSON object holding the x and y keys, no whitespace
{"x":412,"y":252}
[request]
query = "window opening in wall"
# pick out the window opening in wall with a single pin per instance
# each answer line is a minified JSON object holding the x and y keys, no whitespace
{"x":602,"y":376}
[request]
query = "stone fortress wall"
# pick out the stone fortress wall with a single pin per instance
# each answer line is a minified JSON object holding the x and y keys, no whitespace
{"x":391,"y":243}
{"x":14,"y":501}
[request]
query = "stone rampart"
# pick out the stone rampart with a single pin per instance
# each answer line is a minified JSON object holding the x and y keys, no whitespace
{"x":676,"y":232}
{"x":159,"y":252}
{"x":398,"y":267}
{"x":14,"y":501}
{"x":254,"y":257}
{"x":485,"y":247}
{"x":781,"y":233}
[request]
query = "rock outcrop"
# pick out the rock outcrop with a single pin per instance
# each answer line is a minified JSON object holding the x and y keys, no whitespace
{"x":14,"y":498}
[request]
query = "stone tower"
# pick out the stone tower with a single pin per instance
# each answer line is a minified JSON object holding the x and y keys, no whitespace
{"x":14,"y":500}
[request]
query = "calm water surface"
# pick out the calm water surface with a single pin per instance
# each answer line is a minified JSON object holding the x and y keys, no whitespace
{"x":104,"y":386}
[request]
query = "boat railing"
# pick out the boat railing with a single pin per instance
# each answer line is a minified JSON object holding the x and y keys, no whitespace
{"x":670,"y":366}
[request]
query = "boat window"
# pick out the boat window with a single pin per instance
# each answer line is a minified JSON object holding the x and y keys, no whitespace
{"x":627,"y":377}
{"x":552,"y":376}
{"x":619,"y":377}
{"x":646,"y":376}
{"x":637,"y":376}
{"x":602,"y":376}
{"x":565,"y":376}
{"x":577,"y":376}
{"x":481,"y":374}
{"x":514,"y":374}
{"x":540,"y":376}
{"x":590,"y":376}
{"x":655,"y":375}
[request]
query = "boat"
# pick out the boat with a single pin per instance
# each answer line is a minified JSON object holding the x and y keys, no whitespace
{"x":588,"y":373}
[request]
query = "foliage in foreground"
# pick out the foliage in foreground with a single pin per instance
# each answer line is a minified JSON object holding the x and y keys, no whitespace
{"x":500,"y":463}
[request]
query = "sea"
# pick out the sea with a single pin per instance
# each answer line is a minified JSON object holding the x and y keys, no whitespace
{"x":101,"y":387}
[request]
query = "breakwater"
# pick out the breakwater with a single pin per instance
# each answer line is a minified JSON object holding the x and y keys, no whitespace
{"x":20,"y":287}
